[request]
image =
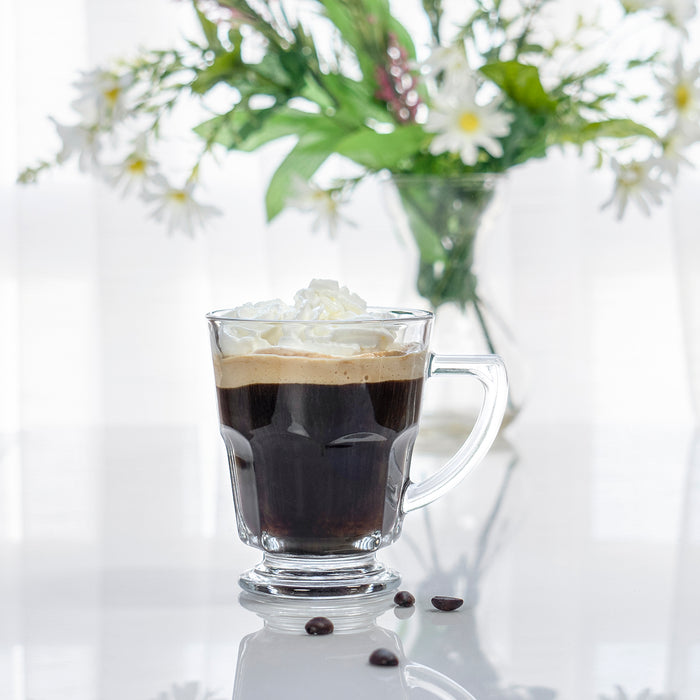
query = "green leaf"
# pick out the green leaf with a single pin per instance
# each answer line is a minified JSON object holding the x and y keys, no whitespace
{"x":210,"y":30}
{"x":616,"y":129}
{"x":301,"y":163}
{"x":244,"y":129}
{"x":609,"y":129}
{"x":364,"y":26}
{"x":224,"y":68}
{"x":313,"y":92}
{"x":285,"y":69}
{"x":354,"y":98}
{"x":528,"y":138}
{"x":532,"y":47}
{"x":377,"y":151}
{"x":403,"y":36}
{"x":599,"y":101}
{"x":280,"y":75}
{"x":345,"y":18}
{"x":521,"y":83}
{"x":429,"y":246}
{"x":419,"y":210}
{"x":294,"y":64}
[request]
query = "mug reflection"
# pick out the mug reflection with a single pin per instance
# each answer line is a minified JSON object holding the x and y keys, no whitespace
{"x":282,"y":660}
{"x":449,"y":643}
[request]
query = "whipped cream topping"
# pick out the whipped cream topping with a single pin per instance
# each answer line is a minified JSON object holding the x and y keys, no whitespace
{"x":322,"y":300}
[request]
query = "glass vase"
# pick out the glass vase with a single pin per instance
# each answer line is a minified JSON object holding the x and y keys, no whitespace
{"x":459,"y":228}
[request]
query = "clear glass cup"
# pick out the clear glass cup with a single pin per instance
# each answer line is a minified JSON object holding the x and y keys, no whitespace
{"x":319,"y":431}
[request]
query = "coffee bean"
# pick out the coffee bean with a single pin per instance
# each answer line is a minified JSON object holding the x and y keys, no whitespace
{"x":383,"y":657}
{"x":444,"y":602}
{"x":319,"y":625}
{"x":404,"y":599}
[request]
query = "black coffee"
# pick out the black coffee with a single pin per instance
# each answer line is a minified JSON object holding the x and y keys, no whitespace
{"x":319,"y":469}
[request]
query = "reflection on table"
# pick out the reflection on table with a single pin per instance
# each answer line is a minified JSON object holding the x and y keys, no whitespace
{"x":575,"y":547}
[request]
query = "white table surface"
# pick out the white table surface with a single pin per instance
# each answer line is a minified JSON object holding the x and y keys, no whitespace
{"x":576,"y":549}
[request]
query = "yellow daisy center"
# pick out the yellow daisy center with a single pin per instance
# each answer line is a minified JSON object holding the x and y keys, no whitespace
{"x":633,"y":175}
{"x":112,"y":95}
{"x":178,"y":196}
{"x":469,"y":122}
{"x":682,"y":97}
{"x":137,"y":166}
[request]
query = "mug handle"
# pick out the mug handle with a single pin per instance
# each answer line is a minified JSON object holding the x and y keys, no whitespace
{"x":491,"y":372}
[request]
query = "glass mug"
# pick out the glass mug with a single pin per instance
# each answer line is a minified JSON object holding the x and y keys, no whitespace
{"x":319,"y":445}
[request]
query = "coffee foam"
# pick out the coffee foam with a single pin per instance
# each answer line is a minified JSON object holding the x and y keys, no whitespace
{"x":295,"y":367}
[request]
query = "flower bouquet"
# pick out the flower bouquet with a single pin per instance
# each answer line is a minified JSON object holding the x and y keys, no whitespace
{"x":467,"y":89}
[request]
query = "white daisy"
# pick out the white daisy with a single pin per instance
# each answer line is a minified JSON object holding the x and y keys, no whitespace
{"x":446,"y":58}
{"x":324,"y":204}
{"x":673,"y":145}
{"x":635,"y":182}
{"x":177,"y":205}
{"x":102,"y":98}
{"x":79,"y":139}
{"x":636,"y":5}
{"x":451,"y":66}
{"x":462,"y":126}
{"x":675,"y":12}
{"x":682,"y":91}
{"x":135,"y":169}
{"x":678,"y":12}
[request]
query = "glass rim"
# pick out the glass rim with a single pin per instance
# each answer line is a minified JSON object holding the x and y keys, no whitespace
{"x":406,"y":315}
{"x":435,"y":177}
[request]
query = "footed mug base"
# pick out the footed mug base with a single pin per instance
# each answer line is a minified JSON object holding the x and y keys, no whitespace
{"x":292,"y":576}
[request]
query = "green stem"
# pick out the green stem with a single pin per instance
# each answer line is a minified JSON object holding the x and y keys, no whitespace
{"x":531,"y":13}
{"x":457,"y":262}
{"x":433,"y":9}
{"x":482,"y":322}
{"x":476,"y":302}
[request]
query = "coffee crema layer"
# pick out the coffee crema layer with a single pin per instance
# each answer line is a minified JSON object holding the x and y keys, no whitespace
{"x":280,"y":366}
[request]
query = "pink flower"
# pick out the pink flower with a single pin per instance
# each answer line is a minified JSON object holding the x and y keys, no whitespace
{"x":396,"y":83}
